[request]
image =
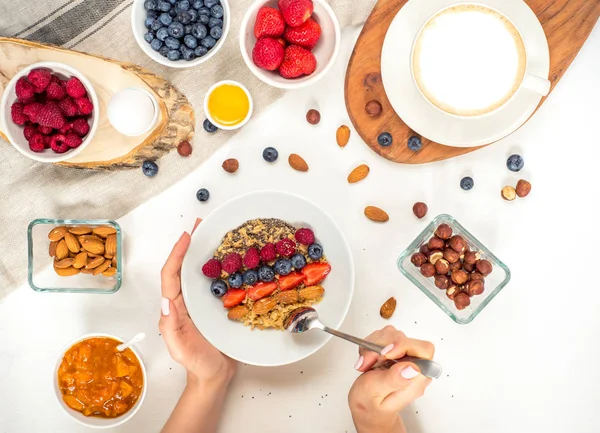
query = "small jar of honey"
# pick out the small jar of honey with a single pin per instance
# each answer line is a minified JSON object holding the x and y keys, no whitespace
{"x":228,"y":105}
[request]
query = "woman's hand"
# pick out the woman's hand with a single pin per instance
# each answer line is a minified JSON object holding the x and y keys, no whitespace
{"x":378,"y":395}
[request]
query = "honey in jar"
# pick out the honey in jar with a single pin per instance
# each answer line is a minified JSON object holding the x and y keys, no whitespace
{"x":228,"y":104}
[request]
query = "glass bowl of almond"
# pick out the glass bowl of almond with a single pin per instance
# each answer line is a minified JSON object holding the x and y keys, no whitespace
{"x":74,"y":256}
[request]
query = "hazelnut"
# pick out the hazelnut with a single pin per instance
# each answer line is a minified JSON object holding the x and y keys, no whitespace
{"x":184,"y":148}
{"x":476,"y":276}
{"x":442,"y":267}
{"x":459,"y":277}
{"x":469,"y":267}
{"x":475,"y":288}
{"x":434,"y":256}
{"x":462,"y":301}
{"x":472,"y":257}
{"x":313,"y":117}
{"x":418,"y":259}
{"x":428,"y":270}
{"x":444,"y":231}
{"x":420,"y":209}
{"x":231,"y":165}
{"x":452,"y":291}
{"x":435,"y":243}
{"x":484,"y":267}
{"x":451,"y":255}
{"x":442,"y":282}
{"x":373,"y":108}
{"x":424,"y":249}
{"x":458,"y":244}
{"x":523,"y":188}
{"x":456,"y":266}
{"x":509,"y":193}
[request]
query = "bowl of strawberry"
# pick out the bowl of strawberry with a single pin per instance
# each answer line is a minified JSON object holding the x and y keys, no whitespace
{"x":290,"y":44}
{"x":49,"y":112}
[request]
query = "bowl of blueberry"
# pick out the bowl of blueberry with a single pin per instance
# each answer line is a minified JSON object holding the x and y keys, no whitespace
{"x":180,"y":33}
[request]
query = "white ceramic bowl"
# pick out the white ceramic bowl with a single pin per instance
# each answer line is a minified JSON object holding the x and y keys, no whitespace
{"x":266,"y":347}
{"x":96,"y":422}
{"x":14,"y":132}
{"x":207,"y":111}
{"x":138,"y":16}
{"x":326,"y":50}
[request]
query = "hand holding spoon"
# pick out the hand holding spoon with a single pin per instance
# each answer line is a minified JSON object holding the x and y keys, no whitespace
{"x":136,"y":338}
{"x":307,"y":318}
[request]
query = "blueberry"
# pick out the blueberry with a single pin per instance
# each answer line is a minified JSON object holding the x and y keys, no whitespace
{"x":190,"y":41}
{"x":250,"y":277}
{"x":414,"y":143}
{"x":184,"y":17}
{"x":216,"y":32}
{"x":150,"y":5}
{"x":215,"y":22}
{"x":515,"y":163}
{"x":162,"y":34}
{"x":467,"y":183}
{"x":270,"y":154}
{"x":148,"y":23}
{"x":209,"y":127}
{"x":164,"y":51}
{"x":165,"y":19}
{"x":298,"y":261}
{"x":200,"y":51}
{"x":204,"y":11}
{"x":235,"y":280}
{"x":156,"y":44}
{"x":315,"y":251}
{"x":283,"y":266}
{"x":197,"y":4}
{"x":156,"y":25}
{"x":173,"y":13}
{"x":187,"y":53}
{"x":164,"y":6}
{"x":385,"y":139}
{"x":218,"y":288}
{"x":199,"y":31}
{"x":211,"y":3}
{"x":216,"y":11}
{"x":182,"y":5}
{"x":152,"y":14}
{"x":208,"y":42}
{"x":193,"y":13}
{"x":173,"y":2}
{"x":188,"y":29}
{"x":173,"y":55}
{"x":266,"y":274}
{"x":150,"y":168}
{"x":172,"y":43}
{"x":148,"y":36}
{"x":176,"y":30}
{"x":202,"y":194}
{"x":203,"y":19}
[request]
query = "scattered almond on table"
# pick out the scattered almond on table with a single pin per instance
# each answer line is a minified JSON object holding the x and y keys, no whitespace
{"x":376,"y":214}
{"x":297,"y":162}
{"x":359,"y":173}
{"x":342,"y":136}
{"x":387,"y":309}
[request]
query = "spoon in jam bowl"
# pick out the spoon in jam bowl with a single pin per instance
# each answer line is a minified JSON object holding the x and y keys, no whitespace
{"x":306,"y":318}
{"x":136,"y":338}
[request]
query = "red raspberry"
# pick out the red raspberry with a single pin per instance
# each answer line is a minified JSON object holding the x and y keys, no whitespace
{"x":50,"y":115}
{"x":212,"y":269}
{"x":39,"y":78}
{"x":252,"y":258}
{"x":47,"y":140}
{"x":16,"y":113}
{"x":55,"y":91}
{"x":46,"y":130}
{"x":24,"y":90}
{"x":31,"y":110}
{"x":73,"y":140}
{"x":75,"y":88}
{"x":81,"y":127}
{"x":268,"y":253}
{"x":67,"y":128}
{"x":286,"y":247}
{"x":29,"y":131}
{"x":305,"y":236}
{"x":36,"y":143}
{"x":85,"y":106}
{"x":57,"y":143}
{"x":232,"y":263}
{"x":68,"y":107}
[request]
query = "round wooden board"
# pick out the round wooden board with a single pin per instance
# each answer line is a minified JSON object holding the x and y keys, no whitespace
{"x":109,"y":149}
{"x":567,"y":24}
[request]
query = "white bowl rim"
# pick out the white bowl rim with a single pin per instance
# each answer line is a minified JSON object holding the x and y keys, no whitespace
{"x":91,"y":93}
{"x":232,"y":83}
{"x":118,"y":420}
{"x":293,"y":83}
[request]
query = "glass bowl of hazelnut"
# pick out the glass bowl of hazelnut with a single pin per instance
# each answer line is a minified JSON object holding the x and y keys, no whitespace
{"x":454,"y":269}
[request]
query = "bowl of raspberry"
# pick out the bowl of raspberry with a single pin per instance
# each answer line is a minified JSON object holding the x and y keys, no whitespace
{"x":290,"y":44}
{"x":180,"y":33}
{"x":49,"y":112}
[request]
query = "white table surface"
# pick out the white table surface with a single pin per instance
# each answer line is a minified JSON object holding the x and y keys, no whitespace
{"x":528,"y":363}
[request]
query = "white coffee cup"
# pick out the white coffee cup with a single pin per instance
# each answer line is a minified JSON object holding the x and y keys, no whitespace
{"x":470,"y":60}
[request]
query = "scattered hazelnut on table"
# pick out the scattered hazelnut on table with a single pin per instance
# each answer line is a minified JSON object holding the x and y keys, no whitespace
{"x":420,"y":209}
{"x":435,"y":243}
{"x":373,"y":108}
{"x":472,"y":257}
{"x":459,"y":277}
{"x":428,"y":270}
{"x":418,"y":259}
{"x":184,"y":148}
{"x":444,"y":231}
{"x":434,"y":256}
{"x":523,"y":188}
{"x":452,"y":291}
{"x":231,"y":165}
{"x":313,"y":117}
{"x":451,"y":256}
{"x":442,"y":282}
{"x":475,"y":288}
{"x":462,"y":301}
{"x":484,"y":267}
{"x":458,"y":244}
{"x":509,"y":193}
{"x":442,"y":267}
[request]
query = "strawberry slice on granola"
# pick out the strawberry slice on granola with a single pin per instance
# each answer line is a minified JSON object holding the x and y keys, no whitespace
{"x":315,"y":273}
{"x":261,"y":290}
{"x":233,"y":297}
{"x":291,"y":281}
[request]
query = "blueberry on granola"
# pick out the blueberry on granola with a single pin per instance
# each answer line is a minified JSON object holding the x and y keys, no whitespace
{"x":236,"y":280}
{"x":266,"y":274}
{"x":218,"y":288}
{"x":298,"y":261}
{"x":283,"y":266}
{"x":250,"y":277}
{"x":315,"y":251}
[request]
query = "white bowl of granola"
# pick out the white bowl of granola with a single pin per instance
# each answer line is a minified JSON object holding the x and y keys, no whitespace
{"x":252,"y":221}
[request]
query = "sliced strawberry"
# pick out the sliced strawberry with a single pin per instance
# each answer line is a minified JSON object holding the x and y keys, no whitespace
{"x":315,"y":273}
{"x":261,"y":290}
{"x":233,"y":297}
{"x":290,"y":281}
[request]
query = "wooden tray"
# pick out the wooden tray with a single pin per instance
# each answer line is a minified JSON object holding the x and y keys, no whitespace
{"x":109,"y":150}
{"x":567,"y":24}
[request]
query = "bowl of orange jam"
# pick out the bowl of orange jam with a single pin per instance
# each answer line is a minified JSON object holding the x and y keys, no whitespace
{"x":228,"y":105}
{"x":97,"y":385}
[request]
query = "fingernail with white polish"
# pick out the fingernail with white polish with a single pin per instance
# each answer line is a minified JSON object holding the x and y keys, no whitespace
{"x":387,"y":349}
{"x":165,"y":307}
{"x":409,"y":373}
{"x":359,"y":363}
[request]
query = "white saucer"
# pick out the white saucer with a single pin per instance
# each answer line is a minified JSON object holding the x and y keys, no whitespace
{"x":434,"y":124}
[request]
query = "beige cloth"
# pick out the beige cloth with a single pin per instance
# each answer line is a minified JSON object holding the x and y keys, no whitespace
{"x":30,"y":190}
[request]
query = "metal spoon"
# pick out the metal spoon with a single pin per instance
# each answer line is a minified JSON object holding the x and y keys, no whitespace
{"x":136,"y":338}
{"x":307,"y":318}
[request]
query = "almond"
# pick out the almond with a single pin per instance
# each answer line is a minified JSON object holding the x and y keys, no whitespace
{"x":388,"y":308}
{"x":80,"y":260}
{"x":66,"y":272}
{"x":103,"y":267}
{"x":52,"y":248}
{"x":311,"y":293}
{"x":359,"y":173}
{"x":376,"y":214}
{"x":94,"y":262}
{"x":57,"y":233}
{"x":111,"y":245}
{"x":93,"y":246}
{"x":264,"y":305}
{"x":62,"y":252}
{"x":237,"y":313}
{"x":114,"y":262}
{"x":287,"y":298}
{"x":231,"y":165}
{"x":342,"y":135}
{"x":110,"y":272}
{"x":62,"y":264}
{"x":72,"y":243}
{"x":297,"y":162}
{"x":84,"y":238}
{"x":86,"y":271}
{"x":81,"y":230}
{"x":104,"y":231}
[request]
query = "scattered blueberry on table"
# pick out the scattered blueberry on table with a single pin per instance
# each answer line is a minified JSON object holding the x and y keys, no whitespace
{"x":270,"y":154}
{"x":209,"y":127}
{"x":414,"y":143}
{"x":202,"y":194}
{"x":178,"y":28}
{"x":467,"y":183}
{"x":385,"y":139}
{"x":149,"y":168}
{"x":515,"y":163}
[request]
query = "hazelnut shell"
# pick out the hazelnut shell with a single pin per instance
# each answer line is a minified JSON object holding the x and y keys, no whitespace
{"x":458,"y":244}
{"x":462,"y":301}
{"x":418,"y":259}
{"x":428,"y":270}
{"x":523,"y":188}
{"x":442,"y":282}
{"x":459,"y":277}
{"x":434,"y":256}
{"x":436,"y":243}
{"x":444,"y":231}
{"x":484,"y":267}
{"x":442,"y":267}
{"x":451,"y":256}
{"x":420,"y":209}
{"x":475,"y":288}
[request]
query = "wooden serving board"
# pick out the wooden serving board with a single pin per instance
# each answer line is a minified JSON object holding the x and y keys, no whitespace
{"x":109,"y":150}
{"x":567,"y":24}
